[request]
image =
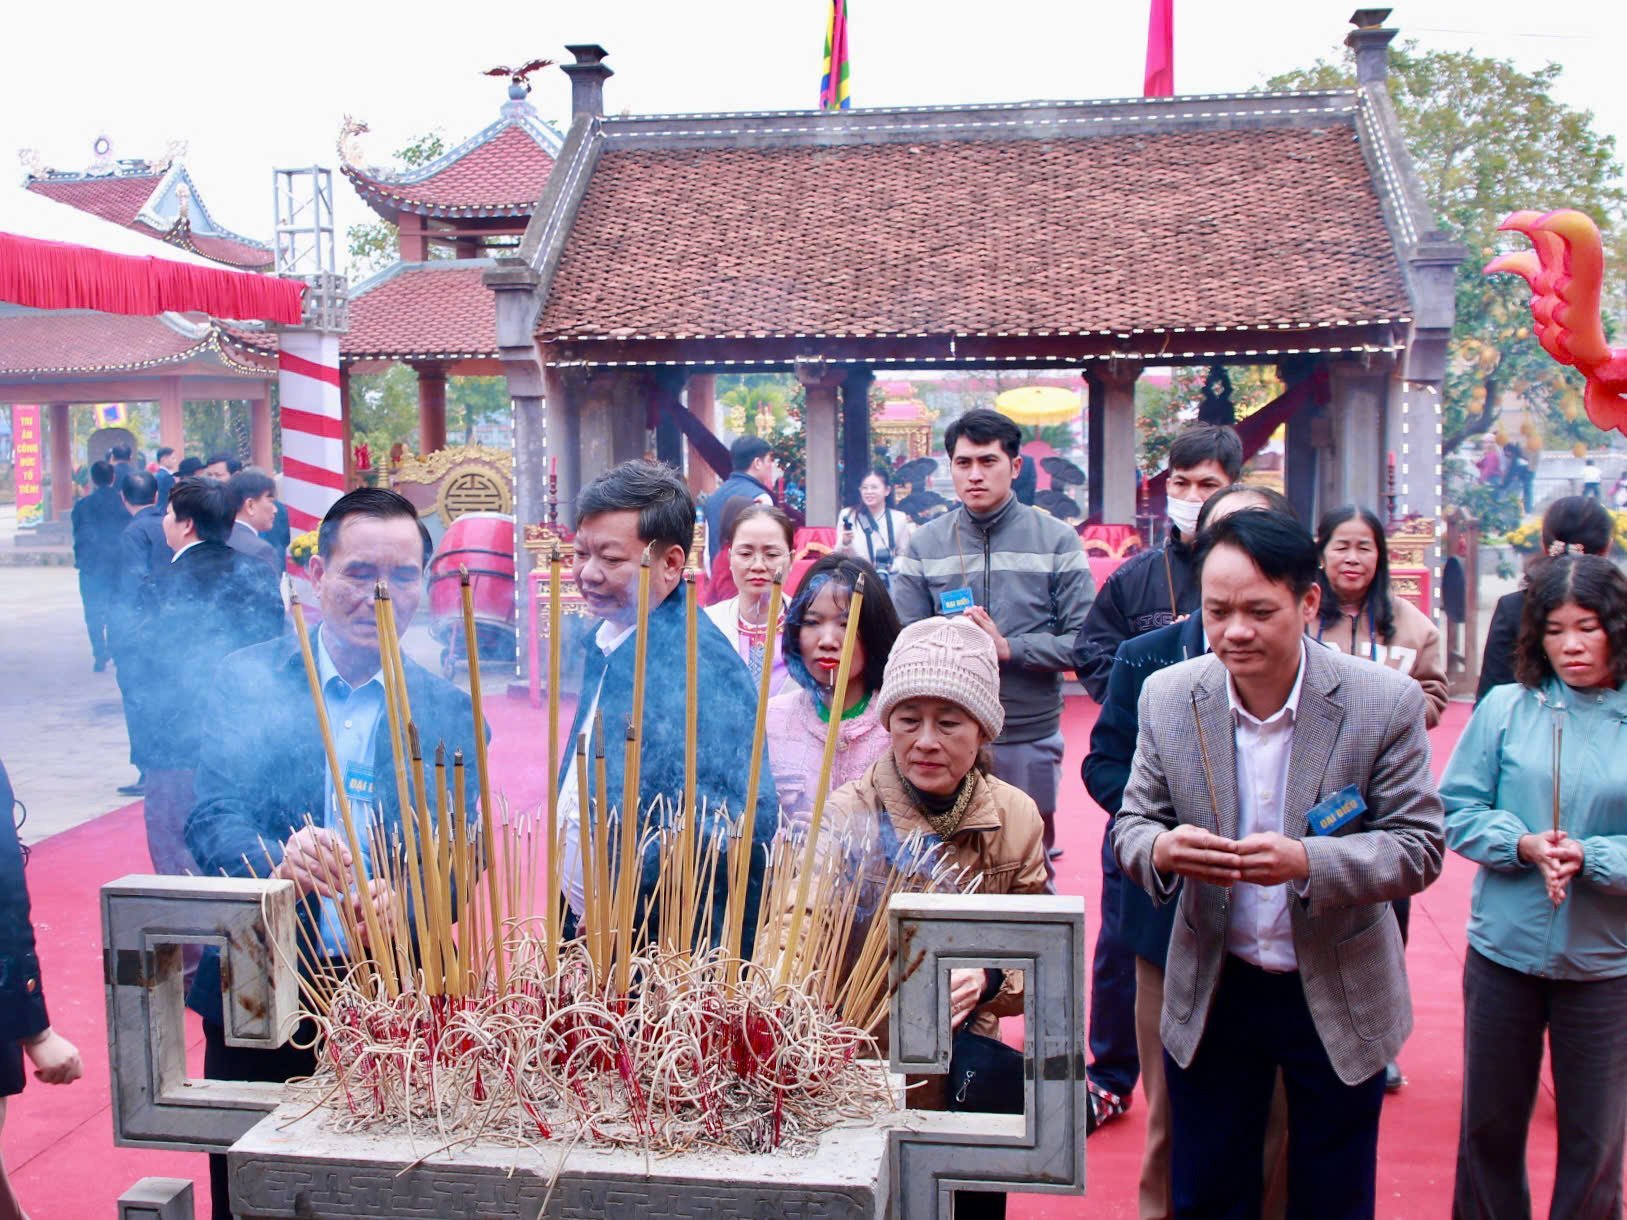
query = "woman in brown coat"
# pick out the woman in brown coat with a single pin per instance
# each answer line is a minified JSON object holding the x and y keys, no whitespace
{"x":940,"y":703}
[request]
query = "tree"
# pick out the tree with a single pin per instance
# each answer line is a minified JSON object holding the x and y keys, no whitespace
{"x":1162,"y":411}
{"x":1487,"y":139}
{"x":373,"y":246}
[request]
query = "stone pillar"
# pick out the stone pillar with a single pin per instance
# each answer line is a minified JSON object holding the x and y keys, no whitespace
{"x":856,"y":455}
{"x":820,"y":381}
{"x":171,"y":416}
{"x":431,"y":407}
{"x":700,"y":396}
{"x":61,"y":418}
{"x":260,"y":433}
{"x":1112,"y":452}
{"x":1355,"y":470}
{"x":562,"y":421}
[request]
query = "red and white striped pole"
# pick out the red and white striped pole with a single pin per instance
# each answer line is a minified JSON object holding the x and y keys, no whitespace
{"x":313,"y":440}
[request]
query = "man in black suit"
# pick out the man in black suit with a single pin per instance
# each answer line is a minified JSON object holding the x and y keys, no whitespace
{"x":254,"y":507}
{"x":256,"y":789}
{"x":98,"y":520}
{"x":205,"y":604}
{"x":141,"y":549}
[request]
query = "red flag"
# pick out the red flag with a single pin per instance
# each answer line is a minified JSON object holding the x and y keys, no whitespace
{"x":1160,"y":78}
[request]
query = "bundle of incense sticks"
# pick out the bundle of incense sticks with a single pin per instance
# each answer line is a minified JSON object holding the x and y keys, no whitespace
{"x":443,"y":925}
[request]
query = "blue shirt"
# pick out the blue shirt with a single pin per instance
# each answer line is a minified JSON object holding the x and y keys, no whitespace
{"x":354,"y":714}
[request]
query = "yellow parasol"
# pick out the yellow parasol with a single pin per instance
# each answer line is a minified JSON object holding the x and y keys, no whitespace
{"x":1038,"y":405}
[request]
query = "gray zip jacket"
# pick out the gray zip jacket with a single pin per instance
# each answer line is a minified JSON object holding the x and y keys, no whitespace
{"x":1027,"y":569}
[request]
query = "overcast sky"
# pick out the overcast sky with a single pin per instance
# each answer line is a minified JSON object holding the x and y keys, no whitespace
{"x":255,"y":86}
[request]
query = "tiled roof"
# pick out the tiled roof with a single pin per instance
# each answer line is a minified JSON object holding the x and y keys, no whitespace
{"x":438,"y":309}
{"x":122,"y":198}
{"x":74,"y":342}
{"x":118,"y":198}
{"x":975,"y":236}
{"x":500,"y":172}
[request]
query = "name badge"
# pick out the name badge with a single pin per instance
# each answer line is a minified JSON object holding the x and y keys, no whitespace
{"x":955,"y":601}
{"x":1331,"y":813}
{"x":359,"y":783}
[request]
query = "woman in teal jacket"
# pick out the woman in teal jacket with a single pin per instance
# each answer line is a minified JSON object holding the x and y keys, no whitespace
{"x":1548,"y":921}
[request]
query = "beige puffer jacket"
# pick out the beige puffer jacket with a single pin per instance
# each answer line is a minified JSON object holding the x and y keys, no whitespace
{"x":1414,"y":650}
{"x":1000,"y":837}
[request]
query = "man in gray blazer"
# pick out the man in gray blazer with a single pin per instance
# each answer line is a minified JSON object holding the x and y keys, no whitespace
{"x":1285,"y":790}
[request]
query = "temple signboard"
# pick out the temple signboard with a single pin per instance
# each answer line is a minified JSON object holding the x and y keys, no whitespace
{"x":28,"y":464}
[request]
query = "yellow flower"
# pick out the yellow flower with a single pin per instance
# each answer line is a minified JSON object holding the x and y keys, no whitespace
{"x":301,"y":548}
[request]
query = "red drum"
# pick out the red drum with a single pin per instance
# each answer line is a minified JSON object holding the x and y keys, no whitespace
{"x":484,"y":544}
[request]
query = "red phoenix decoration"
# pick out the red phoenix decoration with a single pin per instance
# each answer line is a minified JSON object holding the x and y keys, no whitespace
{"x":1565,"y":270}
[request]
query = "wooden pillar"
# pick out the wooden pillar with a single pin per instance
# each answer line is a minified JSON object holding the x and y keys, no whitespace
{"x":1358,"y":398}
{"x":700,"y":396}
{"x":665,"y":386}
{"x":61,"y":460}
{"x":820,"y":381}
{"x":560,"y":423}
{"x":411,"y":239}
{"x":344,"y":428}
{"x":431,"y":407}
{"x":1299,"y":475}
{"x":856,"y":453}
{"x":260,"y":433}
{"x":1112,"y":453}
{"x":171,"y":416}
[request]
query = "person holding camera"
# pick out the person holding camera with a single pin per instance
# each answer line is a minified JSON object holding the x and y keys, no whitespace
{"x":873,"y":529}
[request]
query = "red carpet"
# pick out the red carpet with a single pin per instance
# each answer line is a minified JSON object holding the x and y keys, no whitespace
{"x":58,"y":1141}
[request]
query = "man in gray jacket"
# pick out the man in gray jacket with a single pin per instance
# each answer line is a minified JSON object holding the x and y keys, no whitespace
{"x":1020,"y":575}
{"x":1286,"y":789}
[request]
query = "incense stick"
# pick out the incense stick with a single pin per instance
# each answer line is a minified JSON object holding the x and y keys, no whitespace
{"x":482,"y":766}
{"x":740,"y":862}
{"x":1559,"y":738}
{"x":1203,"y":753}
{"x":551,"y":908}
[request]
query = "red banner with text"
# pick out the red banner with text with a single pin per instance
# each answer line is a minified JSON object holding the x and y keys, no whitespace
{"x":28,"y":458}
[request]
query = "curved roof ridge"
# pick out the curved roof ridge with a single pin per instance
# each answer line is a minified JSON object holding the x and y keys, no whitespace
{"x":546,"y":137}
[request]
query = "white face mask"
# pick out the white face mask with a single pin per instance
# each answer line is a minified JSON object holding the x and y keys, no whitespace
{"x":1183,"y":515}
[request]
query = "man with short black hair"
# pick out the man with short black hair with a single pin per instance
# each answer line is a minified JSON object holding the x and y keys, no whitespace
{"x":755,"y":473}
{"x":632,"y":509}
{"x":1157,"y":586}
{"x":1017,"y":573}
{"x":1285,"y":788}
{"x":125,"y":634}
{"x":119,"y":455}
{"x":221,"y":466}
{"x":205,"y":604}
{"x":188,"y":466}
{"x":166,"y":461}
{"x":257,"y":784}
{"x":254,"y":496}
{"x":98,"y":519}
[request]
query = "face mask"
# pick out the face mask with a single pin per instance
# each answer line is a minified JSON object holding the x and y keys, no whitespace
{"x":1183,"y":515}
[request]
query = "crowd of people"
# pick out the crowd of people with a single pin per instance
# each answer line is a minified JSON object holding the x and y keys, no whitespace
{"x":1261,"y":754}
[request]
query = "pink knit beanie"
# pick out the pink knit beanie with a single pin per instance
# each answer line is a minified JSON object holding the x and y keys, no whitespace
{"x":945,"y":658}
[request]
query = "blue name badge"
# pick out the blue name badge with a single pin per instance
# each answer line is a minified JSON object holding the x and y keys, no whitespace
{"x":955,"y":601}
{"x":359,"y":783}
{"x":1331,"y":813}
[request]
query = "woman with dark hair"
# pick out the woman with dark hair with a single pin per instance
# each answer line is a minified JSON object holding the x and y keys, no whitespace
{"x":759,"y":542}
{"x":1360,"y":617}
{"x":799,"y":717}
{"x":1548,"y":919}
{"x":1573,"y":525}
{"x":873,"y":529}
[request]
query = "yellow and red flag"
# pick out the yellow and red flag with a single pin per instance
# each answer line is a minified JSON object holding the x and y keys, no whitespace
{"x":833,"y":86}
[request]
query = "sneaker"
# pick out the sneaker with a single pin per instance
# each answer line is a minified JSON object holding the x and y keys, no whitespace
{"x":1104,"y":1107}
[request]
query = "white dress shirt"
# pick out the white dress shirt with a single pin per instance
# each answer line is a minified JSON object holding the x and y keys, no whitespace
{"x":1259,"y":930}
{"x":609,"y":637}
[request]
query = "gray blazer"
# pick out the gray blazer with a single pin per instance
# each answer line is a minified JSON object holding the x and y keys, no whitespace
{"x":1358,"y":723}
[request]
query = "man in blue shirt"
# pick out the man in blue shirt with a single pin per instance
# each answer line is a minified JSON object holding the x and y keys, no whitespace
{"x":263,"y":770}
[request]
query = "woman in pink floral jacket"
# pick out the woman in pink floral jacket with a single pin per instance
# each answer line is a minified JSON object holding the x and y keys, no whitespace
{"x":799,"y":716}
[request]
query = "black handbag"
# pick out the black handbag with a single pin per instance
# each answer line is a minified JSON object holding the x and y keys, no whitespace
{"x":985,"y":1076}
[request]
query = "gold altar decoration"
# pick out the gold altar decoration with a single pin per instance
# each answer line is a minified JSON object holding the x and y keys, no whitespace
{"x":457,"y":480}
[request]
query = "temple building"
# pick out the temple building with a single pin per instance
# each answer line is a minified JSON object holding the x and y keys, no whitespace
{"x":60,"y":358}
{"x":1102,"y":237}
{"x":453,"y":216}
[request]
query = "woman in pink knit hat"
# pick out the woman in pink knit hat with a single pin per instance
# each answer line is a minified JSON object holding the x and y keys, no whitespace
{"x":799,"y":716}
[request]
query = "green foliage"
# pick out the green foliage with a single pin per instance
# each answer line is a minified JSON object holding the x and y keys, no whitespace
{"x":373,"y":246}
{"x":1487,"y":139}
{"x":1162,"y":411}
{"x":384,"y":408}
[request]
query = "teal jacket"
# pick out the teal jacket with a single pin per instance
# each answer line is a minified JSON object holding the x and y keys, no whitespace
{"x":1499,"y":786}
